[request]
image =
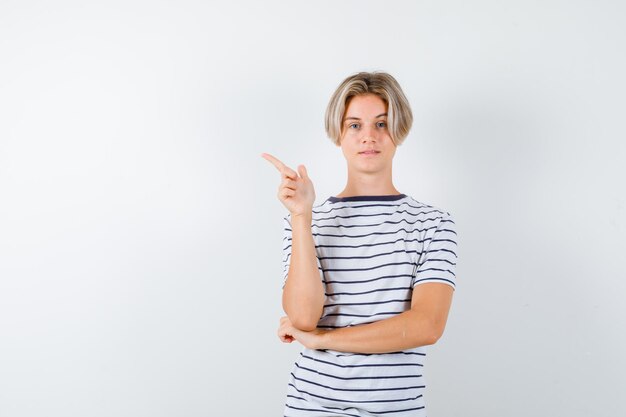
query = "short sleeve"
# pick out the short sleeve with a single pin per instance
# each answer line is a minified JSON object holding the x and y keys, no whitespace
{"x":287,"y":251}
{"x":437,"y":262}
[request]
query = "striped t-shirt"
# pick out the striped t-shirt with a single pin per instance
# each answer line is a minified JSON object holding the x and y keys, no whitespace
{"x":372,"y":251}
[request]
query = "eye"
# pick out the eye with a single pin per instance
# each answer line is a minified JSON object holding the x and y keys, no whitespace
{"x":353,"y":125}
{"x":381,"y":124}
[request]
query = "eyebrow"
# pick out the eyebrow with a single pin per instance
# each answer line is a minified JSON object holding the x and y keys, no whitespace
{"x":356,"y":118}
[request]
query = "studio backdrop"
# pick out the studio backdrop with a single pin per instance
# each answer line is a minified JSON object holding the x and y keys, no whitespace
{"x":141,"y":234}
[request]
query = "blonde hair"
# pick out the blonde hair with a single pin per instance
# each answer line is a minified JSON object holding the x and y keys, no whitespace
{"x":381,"y":84}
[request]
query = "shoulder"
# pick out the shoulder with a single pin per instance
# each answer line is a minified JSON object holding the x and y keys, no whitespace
{"x":429,"y":209}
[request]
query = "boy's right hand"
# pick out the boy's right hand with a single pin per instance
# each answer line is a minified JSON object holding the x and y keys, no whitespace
{"x":295,"y":192}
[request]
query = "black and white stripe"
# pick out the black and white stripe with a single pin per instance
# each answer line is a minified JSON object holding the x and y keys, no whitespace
{"x":372,"y":251}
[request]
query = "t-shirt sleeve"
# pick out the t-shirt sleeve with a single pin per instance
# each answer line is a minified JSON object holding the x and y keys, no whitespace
{"x":287,"y":251}
{"x":437,"y":262}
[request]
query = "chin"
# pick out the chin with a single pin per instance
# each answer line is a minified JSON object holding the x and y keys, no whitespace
{"x":368,"y":168}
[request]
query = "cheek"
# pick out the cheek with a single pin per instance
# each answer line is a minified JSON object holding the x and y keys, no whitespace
{"x":342,"y":145}
{"x":345,"y":143}
{"x":347,"y":150}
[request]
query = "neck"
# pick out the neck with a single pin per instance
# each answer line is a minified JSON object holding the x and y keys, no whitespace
{"x":368,"y":184}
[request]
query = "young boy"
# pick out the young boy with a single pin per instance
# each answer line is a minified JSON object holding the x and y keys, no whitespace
{"x":369,"y":273}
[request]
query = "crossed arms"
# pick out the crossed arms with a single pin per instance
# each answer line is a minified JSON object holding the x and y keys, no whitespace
{"x":303,"y":302}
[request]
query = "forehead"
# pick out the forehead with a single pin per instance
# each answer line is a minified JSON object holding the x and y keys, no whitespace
{"x":365,"y":105}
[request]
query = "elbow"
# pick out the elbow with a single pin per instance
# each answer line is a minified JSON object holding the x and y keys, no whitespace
{"x":304,"y":323}
{"x":425,"y":339}
{"x":303,"y":319}
{"x":432,"y":339}
{"x":304,"y":316}
{"x":434,"y":334}
{"x":428,"y":332}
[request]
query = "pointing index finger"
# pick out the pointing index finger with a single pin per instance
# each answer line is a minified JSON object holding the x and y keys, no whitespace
{"x":282,"y":168}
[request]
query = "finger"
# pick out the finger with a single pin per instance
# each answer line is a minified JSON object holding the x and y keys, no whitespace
{"x":289,"y":173}
{"x":282,"y":168}
{"x":284,"y":335}
{"x":275,"y":161}
{"x":287,"y":183}
{"x":286,"y":192}
{"x":303,"y":172}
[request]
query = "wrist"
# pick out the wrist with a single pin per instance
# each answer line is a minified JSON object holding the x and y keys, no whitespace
{"x":323,"y":341}
{"x":304,"y":218}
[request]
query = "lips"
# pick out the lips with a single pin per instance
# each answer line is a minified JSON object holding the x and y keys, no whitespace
{"x":369,"y":152}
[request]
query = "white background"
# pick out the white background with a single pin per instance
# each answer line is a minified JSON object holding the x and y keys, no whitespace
{"x":141,"y":235}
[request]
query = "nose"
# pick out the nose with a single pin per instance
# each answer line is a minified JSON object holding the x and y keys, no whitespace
{"x":368,"y":133}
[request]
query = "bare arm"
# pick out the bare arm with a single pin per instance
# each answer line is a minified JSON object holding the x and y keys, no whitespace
{"x":422,"y":325}
{"x":303,"y":293}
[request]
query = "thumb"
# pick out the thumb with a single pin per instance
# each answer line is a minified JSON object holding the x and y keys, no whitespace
{"x":302,"y":172}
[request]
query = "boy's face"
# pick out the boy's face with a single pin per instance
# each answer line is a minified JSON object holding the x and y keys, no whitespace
{"x":364,"y":128}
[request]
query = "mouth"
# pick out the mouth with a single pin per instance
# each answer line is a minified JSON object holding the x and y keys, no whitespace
{"x":369,"y":152}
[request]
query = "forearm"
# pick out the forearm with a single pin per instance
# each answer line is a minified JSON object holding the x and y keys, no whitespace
{"x":404,"y":331}
{"x":303,"y":293}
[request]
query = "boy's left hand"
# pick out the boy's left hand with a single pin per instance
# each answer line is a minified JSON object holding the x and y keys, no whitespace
{"x":287,"y":334}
